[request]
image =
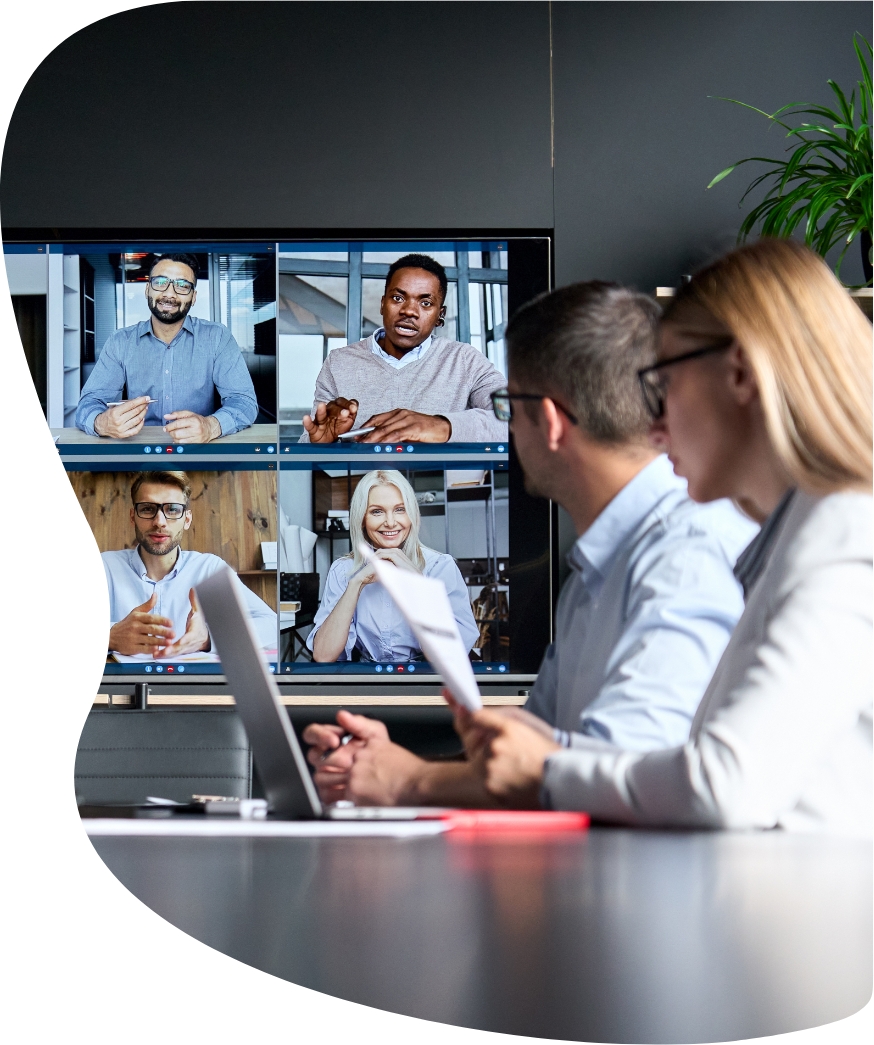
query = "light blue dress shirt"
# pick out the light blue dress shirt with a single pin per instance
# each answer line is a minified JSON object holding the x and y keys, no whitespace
{"x":644,"y":617}
{"x":407,"y":357}
{"x":378,"y":627}
{"x":130,"y":586}
{"x":203,"y":358}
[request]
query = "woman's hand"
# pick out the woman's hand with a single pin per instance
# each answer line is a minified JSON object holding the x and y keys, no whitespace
{"x":398,"y":558}
{"x":366,"y":575}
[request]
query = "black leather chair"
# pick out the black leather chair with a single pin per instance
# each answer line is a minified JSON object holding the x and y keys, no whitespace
{"x":126,"y":755}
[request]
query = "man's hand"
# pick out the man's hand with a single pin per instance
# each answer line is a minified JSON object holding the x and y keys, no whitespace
{"x":384,"y":774}
{"x":330,"y":420}
{"x":474,"y":736}
{"x":188,"y":427}
{"x":397,"y":425}
{"x":122,"y":421}
{"x":515,"y":754}
{"x":196,"y":637}
{"x":141,"y":631}
{"x":332,"y":761}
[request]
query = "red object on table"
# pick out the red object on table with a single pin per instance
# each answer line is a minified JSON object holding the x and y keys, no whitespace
{"x":514,"y":820}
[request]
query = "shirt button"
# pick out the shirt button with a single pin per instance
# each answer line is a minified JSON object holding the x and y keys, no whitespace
{"x":166,"y":371}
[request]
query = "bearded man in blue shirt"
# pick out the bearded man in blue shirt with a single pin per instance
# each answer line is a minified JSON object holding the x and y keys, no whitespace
{"x":651,"y":600}
{"x":170,"y":367}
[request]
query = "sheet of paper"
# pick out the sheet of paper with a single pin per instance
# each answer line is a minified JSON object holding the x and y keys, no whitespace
{"x":426,"y":608}
{"x":203,"y":826}
{"x":184,"y":658}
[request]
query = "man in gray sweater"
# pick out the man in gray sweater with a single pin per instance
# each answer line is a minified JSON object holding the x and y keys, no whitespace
{"x":403,"y":383}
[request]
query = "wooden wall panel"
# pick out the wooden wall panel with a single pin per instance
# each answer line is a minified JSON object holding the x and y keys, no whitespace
{"x":232,"y":512}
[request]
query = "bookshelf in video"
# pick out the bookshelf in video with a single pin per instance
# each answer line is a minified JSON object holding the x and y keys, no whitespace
{"x":272,"y":407}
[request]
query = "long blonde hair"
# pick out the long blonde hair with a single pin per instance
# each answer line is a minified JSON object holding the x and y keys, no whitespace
{"x":809,"y":347}
{"x":358,"y":508}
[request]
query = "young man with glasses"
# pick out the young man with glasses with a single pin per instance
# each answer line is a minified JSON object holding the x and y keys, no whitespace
{"x":151,"y":586}
{"x":651,"y":599}
{"x":167,"y":369}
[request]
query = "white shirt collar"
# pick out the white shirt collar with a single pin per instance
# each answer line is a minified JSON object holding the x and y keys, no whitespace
{"x":139,"y":567}
{"x":408,"y":357}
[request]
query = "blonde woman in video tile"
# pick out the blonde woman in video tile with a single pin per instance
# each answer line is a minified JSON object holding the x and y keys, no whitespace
{"x":358,"y":615}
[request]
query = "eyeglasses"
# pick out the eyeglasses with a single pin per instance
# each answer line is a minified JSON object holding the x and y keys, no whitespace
{"x":502,"y":404}
{"x":149,"y":510}
{"x":183,"y":286}
{"x":652,"y":383}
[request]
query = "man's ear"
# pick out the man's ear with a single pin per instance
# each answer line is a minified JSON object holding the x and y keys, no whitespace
{"x":742,"y":380}
{"x":132,"y":517}
{"x":381,"y":303}
{"x":187,"y":522}
{"x":441,"y":316}
{"x":555,"y":421}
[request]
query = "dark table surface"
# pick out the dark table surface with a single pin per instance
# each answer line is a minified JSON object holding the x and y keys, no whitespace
{"x":613,"y":936}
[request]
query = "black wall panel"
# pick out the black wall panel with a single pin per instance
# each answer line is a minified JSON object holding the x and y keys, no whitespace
{"x":637,"y":139}
{"x":294,"y":115}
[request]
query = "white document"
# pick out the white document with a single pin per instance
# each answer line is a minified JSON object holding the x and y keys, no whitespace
{"x":209,"y":826}
{"x":425,"y":606}
{"x":182,"y":658}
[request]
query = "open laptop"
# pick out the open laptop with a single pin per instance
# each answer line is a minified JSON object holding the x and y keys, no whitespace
{"x":291,"y":793}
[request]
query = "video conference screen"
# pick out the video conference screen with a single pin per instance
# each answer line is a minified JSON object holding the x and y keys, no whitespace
{"x":272,"y":407}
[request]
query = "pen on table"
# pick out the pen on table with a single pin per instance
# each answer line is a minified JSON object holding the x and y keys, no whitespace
{"x":123,"y":401}
{"x":343,"y":741}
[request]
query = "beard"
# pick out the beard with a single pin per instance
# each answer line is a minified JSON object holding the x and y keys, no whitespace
{"x":147,"y":544}
{"x":168,"y":317}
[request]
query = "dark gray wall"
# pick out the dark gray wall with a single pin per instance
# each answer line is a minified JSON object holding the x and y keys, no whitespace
{"x":637,"y":139}
{"x":423,"y":115}
{"x":309,"y":115}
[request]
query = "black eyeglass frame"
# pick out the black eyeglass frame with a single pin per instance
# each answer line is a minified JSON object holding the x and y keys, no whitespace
{"x":653,"y":394}
{"x":161,"y":508}
{"x":507,"y":414}
{"x":175,"y":282}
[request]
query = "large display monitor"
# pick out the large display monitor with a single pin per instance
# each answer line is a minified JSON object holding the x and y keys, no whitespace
{"x":272,"y":403}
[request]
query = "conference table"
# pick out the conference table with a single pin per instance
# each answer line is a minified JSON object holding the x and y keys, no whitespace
{"x":610,"y":935}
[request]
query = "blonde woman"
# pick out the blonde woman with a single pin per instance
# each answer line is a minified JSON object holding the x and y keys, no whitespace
{"x":761,"y":392}
{"x":355,"y":613}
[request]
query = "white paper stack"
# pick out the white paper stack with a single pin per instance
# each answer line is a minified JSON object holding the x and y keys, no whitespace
{"x":268,"y":555}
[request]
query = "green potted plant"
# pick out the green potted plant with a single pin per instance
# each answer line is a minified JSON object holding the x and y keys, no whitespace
{"x":826,"y":178}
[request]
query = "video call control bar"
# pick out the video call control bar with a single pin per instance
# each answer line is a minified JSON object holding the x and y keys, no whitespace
{"x":444,"y":455}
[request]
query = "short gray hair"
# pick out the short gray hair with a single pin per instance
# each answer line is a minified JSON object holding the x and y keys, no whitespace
{"x":583,"y":344}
